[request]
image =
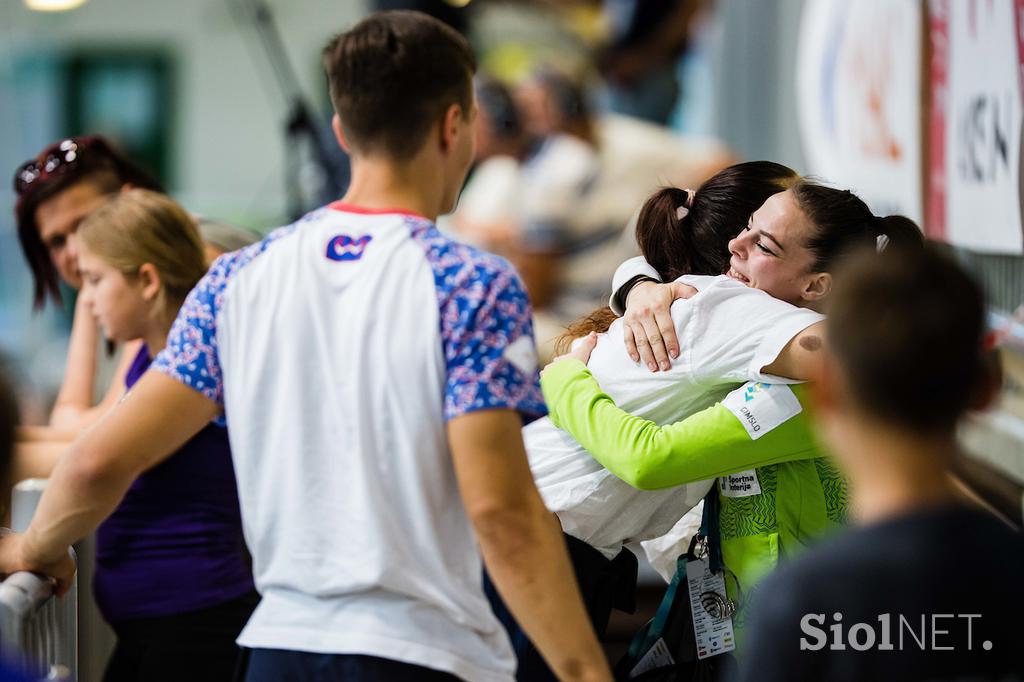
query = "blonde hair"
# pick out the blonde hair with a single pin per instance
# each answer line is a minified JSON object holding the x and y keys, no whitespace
{"x":138,"y":226}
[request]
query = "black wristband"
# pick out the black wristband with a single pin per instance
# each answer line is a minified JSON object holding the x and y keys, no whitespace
{"x":622,"y":295}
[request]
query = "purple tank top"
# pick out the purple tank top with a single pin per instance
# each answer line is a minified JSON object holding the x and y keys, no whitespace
{"x":174,"y":544}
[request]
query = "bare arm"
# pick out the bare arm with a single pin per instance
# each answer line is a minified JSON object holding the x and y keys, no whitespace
{"x":522,"y":543}
{"x":800,"y":358}
{"x":43,"y":434}
{"x":36,"y":459}
{"x":93,"y":475}
{"x":74,"y":409}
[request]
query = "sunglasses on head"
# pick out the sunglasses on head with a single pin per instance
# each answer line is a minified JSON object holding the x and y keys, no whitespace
{"x":57,"y":159}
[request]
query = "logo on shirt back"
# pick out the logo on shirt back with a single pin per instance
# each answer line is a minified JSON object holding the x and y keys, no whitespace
{"x":344,"y":247}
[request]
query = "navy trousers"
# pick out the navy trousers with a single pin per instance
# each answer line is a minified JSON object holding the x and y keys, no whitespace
{"x":278,"y":665}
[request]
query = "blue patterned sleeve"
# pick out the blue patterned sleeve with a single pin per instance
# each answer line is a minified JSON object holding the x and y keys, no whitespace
{"x":489,"y":347}
{"x":190,"y":355}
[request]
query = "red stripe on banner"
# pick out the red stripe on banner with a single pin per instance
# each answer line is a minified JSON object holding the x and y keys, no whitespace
{"x":1018,"y":21}
{"x":935,"y":205}
{"x":1018,"y":33}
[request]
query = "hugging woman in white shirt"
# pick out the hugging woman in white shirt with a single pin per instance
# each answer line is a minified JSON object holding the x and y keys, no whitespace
{"x":731,"y":333}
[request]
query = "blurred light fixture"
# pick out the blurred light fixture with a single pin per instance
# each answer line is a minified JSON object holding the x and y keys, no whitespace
{"x":458,"y":3}
{"x":53,"y":5}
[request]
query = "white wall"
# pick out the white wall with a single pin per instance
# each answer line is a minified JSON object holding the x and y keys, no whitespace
{"x":227,"y":147}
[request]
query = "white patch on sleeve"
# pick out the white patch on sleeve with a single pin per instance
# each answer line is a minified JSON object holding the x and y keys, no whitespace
{"x":762,"y":407}
{"x":522,"y":354}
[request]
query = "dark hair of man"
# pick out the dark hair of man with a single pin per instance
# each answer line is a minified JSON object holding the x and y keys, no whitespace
{"x":907,"y":328}
{"x":845,"y":223}
{"x":697,"y":244}
{"x":104,"y":167}
{"x":392,"y":77}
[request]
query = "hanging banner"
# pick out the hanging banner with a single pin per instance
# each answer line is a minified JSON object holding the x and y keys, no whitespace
{"x":859,"y":99}
{"x":974,"y":193}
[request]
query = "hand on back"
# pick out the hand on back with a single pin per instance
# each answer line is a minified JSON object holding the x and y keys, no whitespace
{"x":648,"y":329}
{"x":581,"y":350}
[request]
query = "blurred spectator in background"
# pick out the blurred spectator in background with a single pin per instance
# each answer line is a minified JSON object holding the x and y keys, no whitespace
{"x":556,"y":187}
{"x":559,"y":235}
{"x":487,"y":214}
{"x":639,"y":64}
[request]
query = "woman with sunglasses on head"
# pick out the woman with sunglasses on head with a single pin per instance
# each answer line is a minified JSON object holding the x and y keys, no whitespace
{"x":172,"y":574}
{"x":56,"y":191}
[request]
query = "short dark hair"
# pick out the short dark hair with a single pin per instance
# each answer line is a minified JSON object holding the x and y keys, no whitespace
{"x":391,"y":78}
{"x":843,"y":224}
{"x":99,"y":163}
{"x":907,"y":328}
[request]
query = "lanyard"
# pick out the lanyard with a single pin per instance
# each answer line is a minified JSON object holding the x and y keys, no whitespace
{"x":709,"y":530}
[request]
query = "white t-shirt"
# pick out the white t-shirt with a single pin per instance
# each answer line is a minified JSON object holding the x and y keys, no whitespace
{"x":339,"y":347}
{"x":727,"y":333}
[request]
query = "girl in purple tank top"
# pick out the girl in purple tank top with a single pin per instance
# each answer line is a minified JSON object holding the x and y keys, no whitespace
{"x":172,"y":571}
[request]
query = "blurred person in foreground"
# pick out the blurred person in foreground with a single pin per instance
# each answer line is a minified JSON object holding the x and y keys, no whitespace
{"x":375,"y":376}
{"x":928,"y":587}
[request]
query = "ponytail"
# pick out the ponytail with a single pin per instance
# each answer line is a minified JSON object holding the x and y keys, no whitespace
{"x":898,"y":232}
{"x":661,"y":234}
{"x":843,"y":223}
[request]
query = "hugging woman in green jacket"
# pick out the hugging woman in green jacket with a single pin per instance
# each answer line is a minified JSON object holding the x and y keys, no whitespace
{"x":777,"y":491}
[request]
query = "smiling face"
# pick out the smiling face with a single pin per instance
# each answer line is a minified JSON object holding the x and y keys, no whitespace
{"x":117,"y":302}
{"x":771,"y":253}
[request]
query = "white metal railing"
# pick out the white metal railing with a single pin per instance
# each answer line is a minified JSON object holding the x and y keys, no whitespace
{"x":38,"y":632}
